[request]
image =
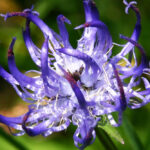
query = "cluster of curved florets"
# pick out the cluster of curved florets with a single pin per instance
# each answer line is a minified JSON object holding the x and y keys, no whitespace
{"x":79,"y":85}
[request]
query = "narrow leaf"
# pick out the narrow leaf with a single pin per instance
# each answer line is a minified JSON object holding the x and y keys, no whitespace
{"x":113,"y":132}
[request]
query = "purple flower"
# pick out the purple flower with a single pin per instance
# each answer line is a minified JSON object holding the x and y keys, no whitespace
{"x":79,"y":85}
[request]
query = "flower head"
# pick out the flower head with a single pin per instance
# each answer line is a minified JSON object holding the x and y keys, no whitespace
{"x":79,"y":85}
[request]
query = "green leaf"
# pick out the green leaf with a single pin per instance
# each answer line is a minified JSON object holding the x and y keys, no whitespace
{"x":132,"y":135}
{"x":10,"y":141}
{"x":113,"y":132}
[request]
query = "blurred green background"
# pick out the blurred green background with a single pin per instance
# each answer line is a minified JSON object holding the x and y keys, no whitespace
{"x":135,"y":129}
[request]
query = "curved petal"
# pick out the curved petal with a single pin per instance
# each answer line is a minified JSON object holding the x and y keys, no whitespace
{"x":135,"y":35}
{"x":103,"y":40}
{"x":91,"y":12}
{"x":21,"y":78}
{"x":14,"y":122}
{"x":123,"y":102}
{"x":135,"y":71}
{"x":61,"y":20}
{"x":8,"y":77}
{"x":37,"y":21}
{"x":85,"y":134}
{"x":46,"y":76}
{"x":33,"y":50}
{"x":11,"y":80}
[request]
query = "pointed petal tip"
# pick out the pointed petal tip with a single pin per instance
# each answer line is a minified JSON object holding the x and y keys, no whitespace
{"x":2,"y":15}
{"x":12,"y":43}
{"x":30,"y":10}
{"x":5,"y":16}
{"x":82,"y":26}
{"x":121,"y":36}
{"x":62,"y":18}
{"x":78,"y":27}
{"x":45,"y":44}
{"x":67,"y":21}
{"x":10,"y":50}
{"x":128,"y":5}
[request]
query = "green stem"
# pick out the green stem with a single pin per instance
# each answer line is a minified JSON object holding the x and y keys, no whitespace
{"x":105,"y":139}
{"x":131,"y":135}
{"x":11,"y":140}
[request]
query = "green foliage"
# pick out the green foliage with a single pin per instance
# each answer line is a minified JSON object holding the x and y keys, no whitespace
{"x":112,"y":132}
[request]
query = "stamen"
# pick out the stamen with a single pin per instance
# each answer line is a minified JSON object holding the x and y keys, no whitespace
{"x":56,"y":101}
{"x":110,"y":49}
{"x":106,"y":76}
